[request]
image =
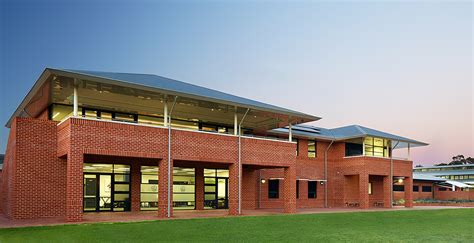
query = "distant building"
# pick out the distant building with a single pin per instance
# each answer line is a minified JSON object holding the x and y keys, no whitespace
{"x":444,"y":182}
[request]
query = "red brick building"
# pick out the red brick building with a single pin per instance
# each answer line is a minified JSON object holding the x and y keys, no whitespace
{"x":84,"y":141}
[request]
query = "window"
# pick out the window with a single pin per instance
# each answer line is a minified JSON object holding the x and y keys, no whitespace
{"x":442,"y":189}
{"x":297,"y":189}
{"x":416,"y":188}
{"x":398,"y":188}
{"x":311,"y":149}
{"x":150,"y":120}
{"x":183,"y":188}
{"x":125,"y":117}
{"x":370,"y":188}
{"x":426,"y":188}
{"x":60,"y":112}
{"x":273,"y":188}
{"x":312,"y":188}
{"x":377,"y":147}
{"x":353,"y":149}
{"x":149,"y":188}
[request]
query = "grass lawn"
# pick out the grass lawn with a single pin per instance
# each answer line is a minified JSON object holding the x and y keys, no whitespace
{"x":453,"y":225}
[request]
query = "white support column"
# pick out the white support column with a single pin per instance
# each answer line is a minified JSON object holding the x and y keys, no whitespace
{"x":75,"y":99}
{"x":236,"y":123}
{"x":408,"y":151}
{"x":165,"y":112}
{"x":363,"y":147}
{"x":290,"y":133}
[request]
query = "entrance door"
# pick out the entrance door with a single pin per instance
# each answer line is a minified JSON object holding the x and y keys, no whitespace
{"x":216,"y":193}
{"x":90,"y":192}
{"x":98,"y":194}
{"x":105,"y":193}
{"x":222,"y":194}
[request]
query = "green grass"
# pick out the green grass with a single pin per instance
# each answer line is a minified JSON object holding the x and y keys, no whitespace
{"x":453,"y":225}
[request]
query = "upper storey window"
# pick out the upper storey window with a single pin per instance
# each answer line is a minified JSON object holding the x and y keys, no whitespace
{"x":368,"y":146}
{"x":311,"y":148}
{"x":377,"y":147}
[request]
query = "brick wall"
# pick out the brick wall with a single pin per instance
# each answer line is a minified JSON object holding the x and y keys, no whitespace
{"x":56,"y":153}
{"x":35,"y":185}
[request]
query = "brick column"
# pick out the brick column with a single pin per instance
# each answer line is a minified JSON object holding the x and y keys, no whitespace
{"x":163,"y":189}
{"x":234,"y":189}
{"x":135,"y":179}
{"x":199,"y":173}
{"x":289,"y":189}
{"x":364,"y":191}
{"x":387,"y":185}
{"x":74,"y":186}
{"x":408,"y":192}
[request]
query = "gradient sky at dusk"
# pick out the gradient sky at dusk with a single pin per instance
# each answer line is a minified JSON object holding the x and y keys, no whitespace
{"x":404,"y":68}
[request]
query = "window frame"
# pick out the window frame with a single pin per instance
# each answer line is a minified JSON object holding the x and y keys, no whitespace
{"x":312,"y":194}
{"x":310,"y":152}
{"x":272,"y":194}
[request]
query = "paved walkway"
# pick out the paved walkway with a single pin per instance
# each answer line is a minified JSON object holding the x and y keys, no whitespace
{"x":187,"y":214}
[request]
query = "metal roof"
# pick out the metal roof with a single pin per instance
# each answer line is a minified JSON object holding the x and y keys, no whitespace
{"x":423,"y":177}
{"x":344,"y":133}
{"x":445,"y":166}
{"x":165,"y":85}
{"x":447,"y":172}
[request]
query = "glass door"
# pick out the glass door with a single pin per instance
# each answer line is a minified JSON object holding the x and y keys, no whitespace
{"x":222,"y":194}
{"x":216,"y":193}
{"x":90,"y":192}
{"x":105,"y":192}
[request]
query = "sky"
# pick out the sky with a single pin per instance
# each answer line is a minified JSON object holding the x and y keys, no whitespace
{"x":400,"y":67}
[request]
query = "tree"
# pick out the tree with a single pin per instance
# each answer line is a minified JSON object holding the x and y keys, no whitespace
{"x":458,"y":160}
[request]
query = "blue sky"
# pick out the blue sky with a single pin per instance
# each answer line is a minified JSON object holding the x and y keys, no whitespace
{"x":401,"y":67}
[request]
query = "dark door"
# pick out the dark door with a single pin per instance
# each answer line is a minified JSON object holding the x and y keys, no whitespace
{"x":216,"y":193}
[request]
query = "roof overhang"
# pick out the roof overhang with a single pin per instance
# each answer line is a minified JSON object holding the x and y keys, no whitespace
{"x":294,"y":116}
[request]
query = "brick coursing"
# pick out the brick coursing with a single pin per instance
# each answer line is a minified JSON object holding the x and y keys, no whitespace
{"x":44,"y":163}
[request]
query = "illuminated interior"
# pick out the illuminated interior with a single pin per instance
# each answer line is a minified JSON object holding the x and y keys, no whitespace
{"x":112,"y":102}
{"x":106,"y":187}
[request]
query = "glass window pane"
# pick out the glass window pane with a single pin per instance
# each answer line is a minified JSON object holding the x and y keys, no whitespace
{"x":184,"y":124}
{"x":124,"y":117}
{"x":122,"y":177}
{"x":60,"y":112}
{"x":98,"y":168}
{"x":89,"y":113}
{"x":210,"y":172}
{"x":150,"y":120}
{"x":378,"y":142}
{"x":122,"y":187}
{"x":106,"y":116}
{"x":223,"y":173}
{"x":210,"y":180}
{"x":121,"y":197}
{"x":125,"y":169}
{"x":150,"y":179}
{"x":369,"y":141}
{"x":149,"y":197}
{"x":149,"y":188}
{"x":210,"y":188}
